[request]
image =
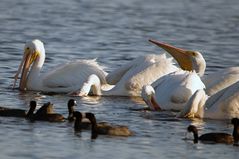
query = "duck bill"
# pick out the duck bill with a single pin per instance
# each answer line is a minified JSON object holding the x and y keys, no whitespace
{"x":26,"y":62}
{"x":154,"y":105}
{"x":181,"y":56}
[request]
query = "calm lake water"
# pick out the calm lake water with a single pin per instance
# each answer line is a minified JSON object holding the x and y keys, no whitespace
{"x":114,"y":32}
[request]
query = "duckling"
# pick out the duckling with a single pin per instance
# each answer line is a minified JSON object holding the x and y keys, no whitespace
{"x":102,"y":128}
{"x":49,"y":109}
{"x":217,"y":137}
{"x":46,"y":113}
{"x":13,"y":112}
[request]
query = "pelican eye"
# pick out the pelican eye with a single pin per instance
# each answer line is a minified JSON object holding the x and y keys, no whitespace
{"x":191,"y":53}
{"x":27,"y":49}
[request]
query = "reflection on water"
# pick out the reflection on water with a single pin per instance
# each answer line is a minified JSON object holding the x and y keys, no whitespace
{"x":114,"y":32}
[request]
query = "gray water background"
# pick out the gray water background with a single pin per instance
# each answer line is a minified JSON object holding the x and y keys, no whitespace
{"x":115,"y":32}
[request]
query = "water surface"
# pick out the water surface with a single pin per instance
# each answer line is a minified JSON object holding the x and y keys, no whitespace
{"x":114,"y":32}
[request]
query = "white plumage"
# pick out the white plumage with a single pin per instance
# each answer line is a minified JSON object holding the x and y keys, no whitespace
{"x":129,"y":79}
{"x":172,"y":91}
{"x":193,"y":60}
{"x":221,"y":79}
{"x":63,"y":79}
{"x":222,"y":105}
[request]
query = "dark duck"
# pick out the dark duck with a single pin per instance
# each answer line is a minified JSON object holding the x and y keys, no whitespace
{"x":102,"y":128}
{"x":46,"y":113}
{"x":71,"y":108}
{"x":217,"y":137}
{"x":13,"y":112}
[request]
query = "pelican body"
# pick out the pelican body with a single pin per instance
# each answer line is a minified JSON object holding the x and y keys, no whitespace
{"x":172,"y":91}
{"x":63,"y":79}
{"x":222,"y":105}
{"x":129,"y":79}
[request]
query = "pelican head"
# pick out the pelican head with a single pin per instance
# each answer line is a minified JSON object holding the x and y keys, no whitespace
{"x":148,"y":95}
{"x":187,"y":60}
{"x":33,"y":50}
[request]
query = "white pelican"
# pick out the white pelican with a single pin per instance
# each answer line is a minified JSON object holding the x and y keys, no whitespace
{"x":130,"y":78}
{"x":172,"y":91}
{"x":64,"y":79}
{"x":222,"y":105}
{"x":193,"y":60}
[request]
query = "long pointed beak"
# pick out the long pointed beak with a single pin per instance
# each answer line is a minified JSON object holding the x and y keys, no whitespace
{"x":27,"y":60}
{"x":181,"y":56}
{"x":19,"y":71}
{"x":25,"y":69}
{"x":154,"y":104}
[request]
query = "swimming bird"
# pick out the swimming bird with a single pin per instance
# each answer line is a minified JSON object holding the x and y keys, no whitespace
{"x":193,"y":60}
{"x":13,"y":112}
{"x":101,"y":128}
{"x":222,"y":105}
{"x":172,"y":91}
{"x":129,"y":79}
{"x":217,"y":137}
{"x":78,"y":118}
{"x":71,"y":104}
{"x":46,"y":113}
{"x":63,"y":79}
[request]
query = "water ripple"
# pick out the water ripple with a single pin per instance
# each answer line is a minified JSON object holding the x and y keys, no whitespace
{"x":115,"y":32}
